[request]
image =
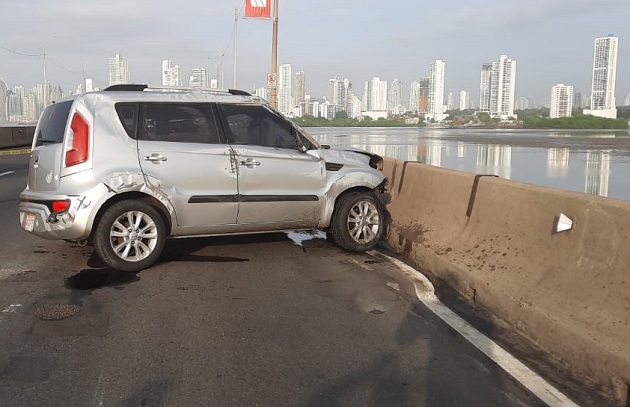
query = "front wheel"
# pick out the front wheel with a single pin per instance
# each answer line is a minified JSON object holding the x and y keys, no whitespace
{"x":357,"y":223}
{"x":130,"y":236}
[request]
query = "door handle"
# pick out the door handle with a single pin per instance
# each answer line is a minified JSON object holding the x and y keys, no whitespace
{"x":155,"y":158}
{"x":250,"y":162}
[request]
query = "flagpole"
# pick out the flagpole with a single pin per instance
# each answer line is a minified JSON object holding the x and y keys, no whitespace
{"x":274,"y":54}
{"x":235,"y":43}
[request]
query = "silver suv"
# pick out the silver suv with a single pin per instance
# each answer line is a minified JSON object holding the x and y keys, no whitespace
{"x":129,"y":166}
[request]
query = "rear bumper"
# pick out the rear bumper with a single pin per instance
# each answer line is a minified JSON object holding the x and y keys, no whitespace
{"x":72,"y":224}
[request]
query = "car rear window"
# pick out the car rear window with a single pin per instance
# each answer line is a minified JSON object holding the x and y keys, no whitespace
{"x":52,"y":124}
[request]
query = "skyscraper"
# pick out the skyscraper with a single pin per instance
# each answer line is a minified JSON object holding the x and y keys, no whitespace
{"x":335,"y":94}
{"x":502,"y":87}
{"x":450,"y":102}
{"x":118,"y":70}
{"x":561,"y":101}
{"x":436,"y":91}
{"x":414,"y":96}
{"x":285,"y":93}
{"x":4,"y":92}
{"x":198,"y":78}
{"x":170,"y":73}
{"x":604,"y":78}
{"x":394,"y":97}
{"x":423,"y":103}
{"x":300,"y":92}
{"x":484,"y":88}
{"x":464,"y":100}
{"x":375,"y":96}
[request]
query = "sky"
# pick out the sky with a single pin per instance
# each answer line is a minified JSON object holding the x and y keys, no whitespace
{"x":551,"y":40}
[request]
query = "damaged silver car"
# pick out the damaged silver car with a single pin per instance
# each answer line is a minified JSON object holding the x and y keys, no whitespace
{"x":130,"y":166}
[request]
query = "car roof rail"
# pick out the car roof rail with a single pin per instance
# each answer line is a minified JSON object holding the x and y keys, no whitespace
{"x":238,"y":92}
{"x":128,"y":87}
{"x":131,"y":87}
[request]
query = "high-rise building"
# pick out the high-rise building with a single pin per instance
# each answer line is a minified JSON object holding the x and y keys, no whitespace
{"x":414,"y":96}
{"x":337,"y":93}
{"x":523,"y":103}
{"x":579,"y":100}
{"x":170,"y":73}
{"x":464,"y":100}
{"x":604,"y":78}
{"x":300,"y":92}
{"x":436,"y":91}
{"x":198,"y":78}
{"x":423,"y":103}
{"x":261,"y":92}
{"x":561,"y":101}
{"x":118,"y":70}
{"x":394,"y":97}
{"x":285,"y":93}
{"x":4,"y":92}
{"x":484,"y":88}
{"x":450,"y":102}
{"x":375,"y":95}
{"x":502,"y":87}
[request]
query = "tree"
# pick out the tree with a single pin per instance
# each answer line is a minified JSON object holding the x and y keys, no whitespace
{"x":484,"y":117}
{"x":341,"y":115}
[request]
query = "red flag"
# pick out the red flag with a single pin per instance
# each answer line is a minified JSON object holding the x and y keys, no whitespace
{"x":257,"y":8}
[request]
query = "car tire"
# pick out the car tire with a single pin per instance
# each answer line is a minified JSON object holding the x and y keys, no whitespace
{"x":358,"y":222}
{"x":130,"y":236}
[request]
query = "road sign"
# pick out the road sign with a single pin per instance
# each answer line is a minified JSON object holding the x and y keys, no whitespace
{"x":271,"y":80}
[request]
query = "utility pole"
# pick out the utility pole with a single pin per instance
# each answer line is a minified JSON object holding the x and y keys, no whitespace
{"x":274,"y":55}
{"x":45,"y":79}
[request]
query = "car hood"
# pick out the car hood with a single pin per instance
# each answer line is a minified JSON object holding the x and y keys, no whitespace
{"x":350,"y":156}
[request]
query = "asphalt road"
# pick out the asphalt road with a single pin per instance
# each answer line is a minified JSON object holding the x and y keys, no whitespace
{"x":245,"y":321}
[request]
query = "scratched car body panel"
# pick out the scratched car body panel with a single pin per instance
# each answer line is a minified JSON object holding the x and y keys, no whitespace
{"x":129,"y":166}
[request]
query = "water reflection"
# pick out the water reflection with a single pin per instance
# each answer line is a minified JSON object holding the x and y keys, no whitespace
{"x":579,"y":161}
{"x":597,"y":173}
{"x":558,"y":162}
{"x":496,"y":160}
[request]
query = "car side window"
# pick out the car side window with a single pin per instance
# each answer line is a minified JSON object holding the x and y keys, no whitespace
{"x":256,"y":125}
{"x":178,"y":122}
{"x":128,"y":115}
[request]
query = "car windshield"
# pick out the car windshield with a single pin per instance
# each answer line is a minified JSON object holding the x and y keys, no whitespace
{"x":307,"y":136}
{"x":300,"y":130}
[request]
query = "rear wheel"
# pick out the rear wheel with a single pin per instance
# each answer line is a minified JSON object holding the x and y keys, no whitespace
{"x":130,"y":236}
{"x":357,"y":224}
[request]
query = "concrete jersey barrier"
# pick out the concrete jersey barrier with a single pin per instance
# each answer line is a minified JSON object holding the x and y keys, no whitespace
{"x":568,"y":293}
{"x":16,"y":136}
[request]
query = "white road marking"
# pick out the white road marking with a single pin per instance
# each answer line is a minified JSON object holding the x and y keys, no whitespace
{"x":527,"y":377}
{"x":99,"y":393}
{"x":11,"y":308}
{"x":7,"y":173}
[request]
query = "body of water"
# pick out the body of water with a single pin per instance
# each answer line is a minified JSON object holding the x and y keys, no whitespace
{"x":593,"y":162}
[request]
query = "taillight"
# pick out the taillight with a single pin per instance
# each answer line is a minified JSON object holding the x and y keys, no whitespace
{"x":79,"y":145}
{"x":60,"y":206}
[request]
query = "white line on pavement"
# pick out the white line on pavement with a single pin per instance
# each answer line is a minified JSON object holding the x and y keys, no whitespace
{"x":6,"y":173}
{"x":527,"y":377}
{"x":11,"y":308}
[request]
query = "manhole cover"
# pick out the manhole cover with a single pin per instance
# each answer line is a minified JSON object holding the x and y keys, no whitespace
{"x":55,"y":312}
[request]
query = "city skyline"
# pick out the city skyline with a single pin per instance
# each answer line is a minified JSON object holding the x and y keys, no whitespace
{"x":461,"y":34}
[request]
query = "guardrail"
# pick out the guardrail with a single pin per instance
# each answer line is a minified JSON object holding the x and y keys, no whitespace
{"x":16,"y":136}
{"x":496,"y":242}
